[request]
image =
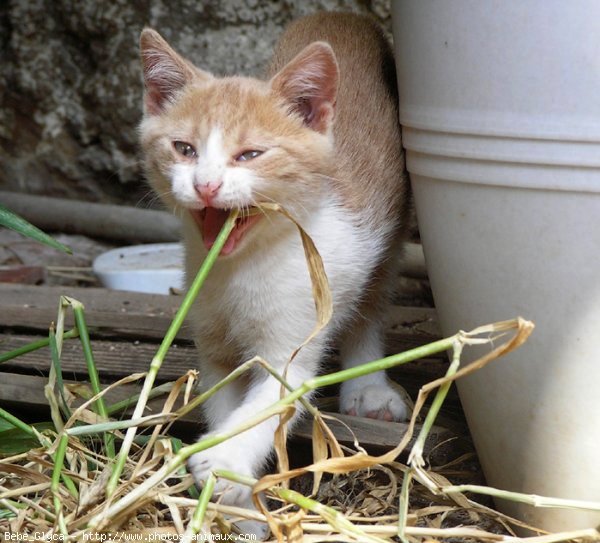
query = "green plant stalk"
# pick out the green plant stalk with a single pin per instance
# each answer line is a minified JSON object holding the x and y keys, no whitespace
{"x":18,"y":423}
{"x":9,"y":509}
{"x":237,"y":372}
{"x":12,"y":505}
{"x":57,"y":369}
{"x":34,"y":346}
{"x":59,"y":460}
{"x":240,"y":478}
{"x":117,"y":407}
{"x":54,"y":407}
{"x":403,"y":505}
{"x":382,"y":364}
{"x":334,"y":378}
{"x":528,"y":499}
{"x":334,"y":518}
{"x":109,"y":439}
{"x":416,"y":453}
{"x":63,"y":302}
{"x":331,"y":516}
{"x":201,"y":398}
{"x":195,"y":524}
{"x":318,"y":382}
{"x":68,"y":482}
{"x":158,"y":359}
{"x":192,"y":490}
{"x":25,"y":502}
{"x":14,"y":222}
{"x":111,"y":426}
{"x":29,"y":430}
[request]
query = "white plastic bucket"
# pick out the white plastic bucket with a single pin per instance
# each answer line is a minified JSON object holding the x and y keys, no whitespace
{"x":500,"y":107}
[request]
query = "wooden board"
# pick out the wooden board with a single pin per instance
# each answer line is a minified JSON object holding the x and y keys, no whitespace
{"x":19,"y":392}
{"x":114,"y":359}
{"x":147,"y":316}
{"x":130,"y":314}
{"x":126,"y":328}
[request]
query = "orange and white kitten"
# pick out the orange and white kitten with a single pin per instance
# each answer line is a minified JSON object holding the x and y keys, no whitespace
{"x":320,"y":136}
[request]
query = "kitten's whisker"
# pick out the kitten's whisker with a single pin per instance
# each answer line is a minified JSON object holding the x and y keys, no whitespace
{"x":245,"y":212}
{"x":263,"y":211}
{"x":263,"y":198}
{"x":147,"y":200}
{"x":327,"y":177}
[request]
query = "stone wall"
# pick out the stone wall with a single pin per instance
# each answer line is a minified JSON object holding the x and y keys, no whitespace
{"x":70,"y":84}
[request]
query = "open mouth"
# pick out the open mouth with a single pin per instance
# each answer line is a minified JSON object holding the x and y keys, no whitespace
{"x":210,"y":221}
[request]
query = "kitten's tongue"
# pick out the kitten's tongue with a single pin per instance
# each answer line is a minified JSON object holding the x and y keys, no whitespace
{"x":213,"y":221}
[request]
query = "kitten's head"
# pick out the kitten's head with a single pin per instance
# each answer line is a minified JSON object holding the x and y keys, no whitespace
{"x":212,"y":144}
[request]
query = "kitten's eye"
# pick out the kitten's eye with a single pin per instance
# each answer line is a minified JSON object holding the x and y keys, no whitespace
{"x":184,"y":149}
{"x":248,"y":155}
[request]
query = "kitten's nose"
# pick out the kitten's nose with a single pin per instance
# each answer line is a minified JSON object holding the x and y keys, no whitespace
{"x":207,"y":191}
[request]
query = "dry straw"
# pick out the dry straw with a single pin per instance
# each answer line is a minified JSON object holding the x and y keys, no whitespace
{"x":70,"y":485}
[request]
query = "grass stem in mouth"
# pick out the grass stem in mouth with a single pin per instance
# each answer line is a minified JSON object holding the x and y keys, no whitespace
{"x":157,"y":361}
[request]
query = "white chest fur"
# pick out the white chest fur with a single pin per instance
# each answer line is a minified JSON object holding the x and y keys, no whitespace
{"x":264,"y":296}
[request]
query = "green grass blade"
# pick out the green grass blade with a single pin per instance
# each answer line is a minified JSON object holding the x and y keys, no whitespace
{"x":157,"y":361}
{"x":59,"y":460}
{"x":84,"y":336}
{"x":17,"y":440}
{"x":195,"y":525}
{"x":33,"y":346}
{"x":18,"y":423}
{"x":24,"y":437}
{"x":403,"y":504}
{"x":156,"y":392}
{"x":415,"y":458}
{"x":20,"y":225}
{"x":57,"y":369}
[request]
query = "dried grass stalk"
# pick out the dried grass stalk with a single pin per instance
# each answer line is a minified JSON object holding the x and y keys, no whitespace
{"x":58,"y":486}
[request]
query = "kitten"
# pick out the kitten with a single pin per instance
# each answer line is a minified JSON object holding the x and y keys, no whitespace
{"x":321,"y":137}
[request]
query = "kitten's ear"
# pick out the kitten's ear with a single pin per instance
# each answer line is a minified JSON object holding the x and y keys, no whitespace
{"x":309,"y":83}
{"x":165,"y":71}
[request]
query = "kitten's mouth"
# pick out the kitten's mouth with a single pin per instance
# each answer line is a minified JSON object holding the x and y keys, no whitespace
{"x":210,"y":221}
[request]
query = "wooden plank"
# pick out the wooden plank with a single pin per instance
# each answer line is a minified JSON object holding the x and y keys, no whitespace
{"x":121,"y":312}
{"x":138,"y":315}
{"x":114,"y":359}
{"x":27,"y":392}
{"x":412,"y":323}
{"x":371,"y":433}
{"x":117,"y":359}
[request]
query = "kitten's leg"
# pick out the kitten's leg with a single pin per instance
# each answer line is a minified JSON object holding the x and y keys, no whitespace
{"x":372,"y":395}
{"x":247,"y":452}
{"x":220,"y":405}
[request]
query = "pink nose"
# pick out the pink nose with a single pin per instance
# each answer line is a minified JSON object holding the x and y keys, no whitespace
{"x":207,"y":191}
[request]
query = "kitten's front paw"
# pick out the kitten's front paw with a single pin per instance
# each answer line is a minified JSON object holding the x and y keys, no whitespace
{"x":379,"y":401}
{"x":201,"y":464}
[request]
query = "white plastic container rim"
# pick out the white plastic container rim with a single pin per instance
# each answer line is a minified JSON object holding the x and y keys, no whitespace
{"x":526,"y":114}
{"x":153,"y":268}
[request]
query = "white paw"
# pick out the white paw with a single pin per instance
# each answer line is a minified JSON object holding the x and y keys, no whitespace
{"x":201,"y":464}
{"x":377,"y":401}
{"x":228,"y":457}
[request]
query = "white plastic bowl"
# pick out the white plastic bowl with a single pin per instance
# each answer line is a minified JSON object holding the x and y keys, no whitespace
{"x":154,"y":268}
